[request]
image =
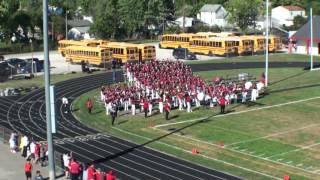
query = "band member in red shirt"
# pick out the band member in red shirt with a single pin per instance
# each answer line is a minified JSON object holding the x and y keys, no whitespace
{"x":167,"y":110}
{"x":222,"y":102}
{"x":89,"y":105}
{"x":145,"y":107}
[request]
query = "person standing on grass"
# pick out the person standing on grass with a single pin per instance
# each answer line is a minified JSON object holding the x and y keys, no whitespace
{"x":145,"y":107}
{"x":167,"y":110}
{"x":222,"y":103}
{"x":65,"y":103}
{"x":89,"y":105}
{"x":113,"y":112}
{"x":90,"y":172}
{"x":28,"y":170}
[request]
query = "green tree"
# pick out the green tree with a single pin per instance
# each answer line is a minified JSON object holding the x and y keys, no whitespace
{"x":298,"y":22}
{"x":244,"y":13}
{"x":107,"y":21}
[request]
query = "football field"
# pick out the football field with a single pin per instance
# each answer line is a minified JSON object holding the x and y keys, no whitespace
{"x":277,"y":135}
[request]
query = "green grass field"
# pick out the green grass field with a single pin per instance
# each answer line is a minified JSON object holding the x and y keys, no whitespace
{"x":264,"y":143}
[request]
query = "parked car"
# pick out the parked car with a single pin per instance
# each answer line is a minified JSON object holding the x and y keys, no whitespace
{"x":183,"y":53}
{"x":4,"y":71}
{"x":16,"y":62}
{"x":38,"y":65}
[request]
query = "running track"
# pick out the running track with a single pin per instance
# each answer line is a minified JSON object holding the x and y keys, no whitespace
{"x":26,"y":115}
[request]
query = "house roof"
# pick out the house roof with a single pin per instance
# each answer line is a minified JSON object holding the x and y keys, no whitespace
{"x":79,"y":23}
{"x":304,"y":32}
{"x":210,"y":8}
{"x":293,"y":8}
{"x":82,"y":30}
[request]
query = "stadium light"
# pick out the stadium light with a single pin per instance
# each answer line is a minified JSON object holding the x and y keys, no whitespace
{"x":47,"y":91}
{"x":267,"y":45}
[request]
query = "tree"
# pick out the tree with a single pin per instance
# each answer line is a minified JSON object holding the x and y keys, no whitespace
{"x":107,"y":21}
{"x":298,"y":21}
{"x":244,"y":13}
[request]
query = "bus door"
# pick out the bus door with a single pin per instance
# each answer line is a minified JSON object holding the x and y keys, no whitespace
{"x":140,"y":56}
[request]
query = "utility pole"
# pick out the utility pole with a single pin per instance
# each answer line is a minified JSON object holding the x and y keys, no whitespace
{"x":47,"y":91}
{"x":67,"y":24}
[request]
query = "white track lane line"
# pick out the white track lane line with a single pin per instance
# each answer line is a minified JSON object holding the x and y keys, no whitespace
{"x":240,"y":112}
{"x":187,"y":151}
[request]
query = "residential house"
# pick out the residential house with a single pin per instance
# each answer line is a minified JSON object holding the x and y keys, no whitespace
{"x":79,"y":29}
{"x":302,"y":38}
{"x":213,"y":15}
{"x":284,"y":15}
{"x":188,"y":22}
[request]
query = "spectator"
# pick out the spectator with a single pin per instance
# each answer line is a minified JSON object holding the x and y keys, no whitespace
{"x":28,"y":170}
{"x":38,"y":176}
{"x":74,"y":169}
{"x":110,"y":176}
{"x":12,"y":143}
{"x":90,"y":172}
{"x":66,"y":161}
{"x":89,"y":105}
{"x":25,"y":143}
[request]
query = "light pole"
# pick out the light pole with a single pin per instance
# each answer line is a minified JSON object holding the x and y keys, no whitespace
{"x":311,"y":40}
{"x":267,"y":45}
{"x":67,"y":25}
{"x":47,"y":91}
{"x":31,"y":48}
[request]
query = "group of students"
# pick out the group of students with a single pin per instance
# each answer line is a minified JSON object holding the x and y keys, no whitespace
{"x":31,"y":150}
{"x":77,"y":171}
{"x":172,"y":84}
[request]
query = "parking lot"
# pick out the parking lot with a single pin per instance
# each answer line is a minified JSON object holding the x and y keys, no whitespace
{"x":60,"y":66}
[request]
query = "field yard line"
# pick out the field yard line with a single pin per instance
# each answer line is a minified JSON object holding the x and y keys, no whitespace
{"x":204,"y":156}
{"x":240,"y":112}
{"x":275,"y":134}
{"x":295,"y":150}
{"x":194,"y":139}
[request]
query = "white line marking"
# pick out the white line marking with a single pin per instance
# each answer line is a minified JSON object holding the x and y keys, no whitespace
{"x":181,"y":149}
{"x":240,"y":112}
{"x":275,"y":134}
{"x":266,"y":159}
{"x":295,"y":150}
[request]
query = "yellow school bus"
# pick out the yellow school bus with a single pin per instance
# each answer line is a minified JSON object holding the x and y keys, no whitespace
{"x":213,"y":46}
{"x":175,"y":40}
{"x":146,"y":52}
{"x":244,"y":45}
{"x":92,"y":55}
{"x":66,"y":43}
{"x":274,"y":43}
{"x":123,"y":52}
{"x":259,"y":45}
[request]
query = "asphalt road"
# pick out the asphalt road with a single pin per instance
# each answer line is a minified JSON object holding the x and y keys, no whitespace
{"x":26,"y":115}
